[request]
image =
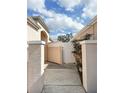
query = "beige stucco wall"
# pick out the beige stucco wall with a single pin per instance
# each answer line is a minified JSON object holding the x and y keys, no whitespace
{"x":95,"y":31}
{"x":44,"y":30}
{"x":35,"y":68}
{"x":32,"y":34}
{"x":35,"y":35}
{"x":91,"y":29}
{"x":35,"y":59}
{"x":89,"y":64}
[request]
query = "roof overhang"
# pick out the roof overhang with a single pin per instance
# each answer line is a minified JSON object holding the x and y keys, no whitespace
{"x":32,"y":23}
{"x":40,"y":20}
{"x":94,"y":20}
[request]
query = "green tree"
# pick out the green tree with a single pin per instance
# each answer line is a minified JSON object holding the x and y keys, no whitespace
{"x":65,"y":38}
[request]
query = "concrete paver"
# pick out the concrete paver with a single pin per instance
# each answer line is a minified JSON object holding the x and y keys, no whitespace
{"x":64,"y":89}
{"x":62,"y":66}
{"x":62,"y":79}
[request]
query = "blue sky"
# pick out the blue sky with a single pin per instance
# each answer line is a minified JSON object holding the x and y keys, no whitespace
{"x":63,"y":16}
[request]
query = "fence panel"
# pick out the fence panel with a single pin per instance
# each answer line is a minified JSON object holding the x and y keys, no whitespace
{"x":54,"y":54}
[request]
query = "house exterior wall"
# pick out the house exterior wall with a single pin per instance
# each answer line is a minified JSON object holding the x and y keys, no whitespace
{"x":46,"y":32}
{"x":95,"y":31}
{"x":92,"y":29}
{"x":89,"y":63}
{"x":35,"y":59}
{"x":33,"y":35}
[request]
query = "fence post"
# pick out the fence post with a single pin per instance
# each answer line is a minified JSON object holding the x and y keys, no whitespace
{"x":35,"y":66}
{"x":89,"y":65}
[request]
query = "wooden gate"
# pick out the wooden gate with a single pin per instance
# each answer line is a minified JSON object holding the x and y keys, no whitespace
{"x":54,"y":54}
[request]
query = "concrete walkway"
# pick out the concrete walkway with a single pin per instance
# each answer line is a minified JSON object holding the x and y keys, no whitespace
{"x":62,"y":79}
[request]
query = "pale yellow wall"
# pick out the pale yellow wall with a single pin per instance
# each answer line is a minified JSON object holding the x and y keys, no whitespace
{"x":35,"y":35}
{"x":32,"y":34}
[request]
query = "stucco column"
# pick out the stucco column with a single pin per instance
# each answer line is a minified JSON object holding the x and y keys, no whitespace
{"x":89,"y":65}
{"x":35,"y":66}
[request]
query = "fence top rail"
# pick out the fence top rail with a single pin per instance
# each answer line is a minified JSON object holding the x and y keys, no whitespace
{"x":36,"y":43}
{"x":88,"y":41}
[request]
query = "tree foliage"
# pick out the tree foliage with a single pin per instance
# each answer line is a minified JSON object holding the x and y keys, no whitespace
{"x":65,"y":38}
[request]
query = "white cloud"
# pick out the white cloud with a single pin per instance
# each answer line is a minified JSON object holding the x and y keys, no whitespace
{"x":90,"y":9}
{"x":68,"y":4}
{"x":60,"y":34}
{"x":36,"y":4}
{"x":56,"y":21}
{"x":60,"y":22}
{"x":78,"y":18}
{"x":74,"y":34}
{"x":53,"y":37}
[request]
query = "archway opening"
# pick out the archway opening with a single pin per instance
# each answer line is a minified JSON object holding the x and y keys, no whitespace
{"x":44,"y":36}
